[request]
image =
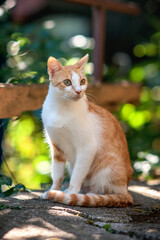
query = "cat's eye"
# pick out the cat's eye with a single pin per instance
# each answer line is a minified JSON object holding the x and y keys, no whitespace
{"x":82,"y":82}
{"x":67,"y":82}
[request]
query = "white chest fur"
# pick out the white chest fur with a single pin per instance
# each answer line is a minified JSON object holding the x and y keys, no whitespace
{"x":67,"y":123}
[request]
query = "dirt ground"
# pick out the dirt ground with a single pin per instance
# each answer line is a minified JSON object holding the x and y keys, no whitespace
{"x":25,"y":216}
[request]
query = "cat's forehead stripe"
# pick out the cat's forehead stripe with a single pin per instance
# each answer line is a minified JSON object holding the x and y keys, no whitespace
{"x":75,"y":80}
{"x":75,"y":76}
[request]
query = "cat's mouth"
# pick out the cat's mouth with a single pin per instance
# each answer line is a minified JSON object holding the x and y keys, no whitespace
{"x":76,"y":98}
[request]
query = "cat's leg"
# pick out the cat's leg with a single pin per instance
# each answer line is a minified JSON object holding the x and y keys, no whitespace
{"x":58,"y":167}
{"x":57,"y":174}
{"x":82,"y":165}
{"x":69,"y":170}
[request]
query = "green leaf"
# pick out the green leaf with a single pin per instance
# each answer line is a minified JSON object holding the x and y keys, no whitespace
{"x":19,"y":187}
{"x":3,"y":206}
{"x":7,"y":192}
{"x":4,"y":180}
{"x":108,"y":228}
{"x":16,"y":208}
{"x":13,"y":190}
{"x":90,"y":222}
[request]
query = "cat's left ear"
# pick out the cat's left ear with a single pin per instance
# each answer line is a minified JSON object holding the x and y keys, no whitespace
{"x":82,"y":62}
{"x":53,"y":66}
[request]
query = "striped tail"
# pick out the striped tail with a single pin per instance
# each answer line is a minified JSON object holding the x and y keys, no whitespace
{"x":90,"y":199}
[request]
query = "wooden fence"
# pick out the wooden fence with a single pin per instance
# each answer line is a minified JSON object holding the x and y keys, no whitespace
{"x":17,"y":98}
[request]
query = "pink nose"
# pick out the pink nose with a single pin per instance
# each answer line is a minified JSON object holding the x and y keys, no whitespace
{"x":78,"y":92}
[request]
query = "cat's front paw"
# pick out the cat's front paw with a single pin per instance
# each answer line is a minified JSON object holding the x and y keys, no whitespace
{"x":44,"y":196}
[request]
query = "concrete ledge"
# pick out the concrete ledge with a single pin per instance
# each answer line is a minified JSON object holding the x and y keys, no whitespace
{"x":28,"y":217}
{"x":17,"y":98}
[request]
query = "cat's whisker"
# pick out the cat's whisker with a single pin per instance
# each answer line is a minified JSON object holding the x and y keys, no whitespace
{"x":90,"y":97}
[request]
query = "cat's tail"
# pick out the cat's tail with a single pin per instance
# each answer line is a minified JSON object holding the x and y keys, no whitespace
{"x":90,"y":199}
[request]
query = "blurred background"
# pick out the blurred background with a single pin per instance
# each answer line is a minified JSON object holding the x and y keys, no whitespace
{"x":31,"y":31}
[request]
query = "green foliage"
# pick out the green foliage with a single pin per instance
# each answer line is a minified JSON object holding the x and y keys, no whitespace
{"x":26,"y":151}
{"x":3,"y":207}
{"x":91,"y":222}
{"x":4,"y":180}
{"x":108,"y":228}
{"x":25,"y":49}
{"x":141,"y":124}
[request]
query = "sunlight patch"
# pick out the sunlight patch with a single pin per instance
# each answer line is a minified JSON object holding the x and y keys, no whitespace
{"x":145,"y":191}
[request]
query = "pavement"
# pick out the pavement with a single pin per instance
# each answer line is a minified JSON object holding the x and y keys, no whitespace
{"x":25,"y":216}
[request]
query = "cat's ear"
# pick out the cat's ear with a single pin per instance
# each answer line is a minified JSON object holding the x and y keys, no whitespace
{"x":82,"y":62}
{"x":53,"y":66}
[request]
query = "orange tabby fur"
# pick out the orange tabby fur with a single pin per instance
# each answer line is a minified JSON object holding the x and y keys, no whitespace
{"x":111,"y":158}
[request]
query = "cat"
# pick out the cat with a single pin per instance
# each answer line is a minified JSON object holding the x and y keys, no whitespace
{"x":89,"y":137}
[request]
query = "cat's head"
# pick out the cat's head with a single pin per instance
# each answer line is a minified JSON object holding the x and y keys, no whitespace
{"x":69,"y":81}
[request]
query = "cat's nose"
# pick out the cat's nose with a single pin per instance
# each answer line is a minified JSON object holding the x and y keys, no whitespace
{"x":78,"y":92}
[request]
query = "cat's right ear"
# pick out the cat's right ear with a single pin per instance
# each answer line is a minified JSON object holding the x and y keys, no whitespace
{"x":53,"y":66}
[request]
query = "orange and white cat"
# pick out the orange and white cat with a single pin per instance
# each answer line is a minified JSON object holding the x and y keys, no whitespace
{"x":89,"y":138}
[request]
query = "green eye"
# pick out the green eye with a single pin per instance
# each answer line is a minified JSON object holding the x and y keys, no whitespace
{"x":67,"y":82}
{"x":82,"y":82}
